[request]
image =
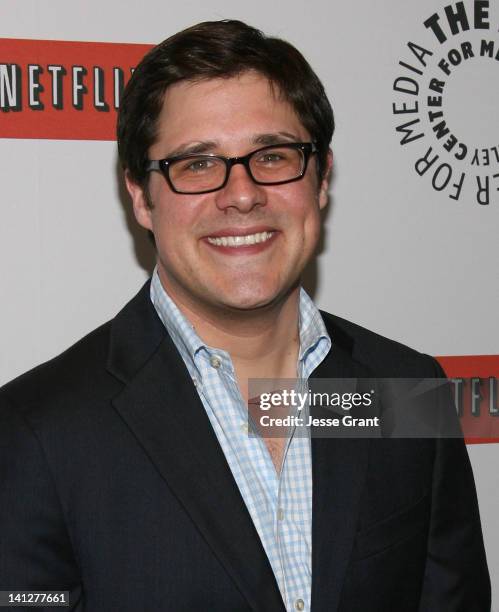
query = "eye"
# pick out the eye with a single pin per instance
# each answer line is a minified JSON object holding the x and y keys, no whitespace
{"x":274,"y":157}
{"x":201,"y":164}
{"x":270,"y":157}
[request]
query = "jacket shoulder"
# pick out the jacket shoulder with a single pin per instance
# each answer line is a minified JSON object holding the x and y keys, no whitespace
{"x":383,"y":356}
{"x":78,"y":371}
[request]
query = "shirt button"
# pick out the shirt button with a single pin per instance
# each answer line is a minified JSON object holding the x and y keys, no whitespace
{"x":215,"y":361}
{"x":300,"y":604}
{"x":244,"y":428}
{"x":280,"y":517}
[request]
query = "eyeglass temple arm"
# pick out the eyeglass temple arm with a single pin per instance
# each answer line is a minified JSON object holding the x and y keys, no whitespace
{"x":153,"y":165}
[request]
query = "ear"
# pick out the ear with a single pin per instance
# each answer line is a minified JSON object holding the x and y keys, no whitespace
{"x":139,"y":200}
{"x":323,"y":190}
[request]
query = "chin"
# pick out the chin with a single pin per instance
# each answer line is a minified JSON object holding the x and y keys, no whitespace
{"x":250,"y":300}
{"x":243,"y":303}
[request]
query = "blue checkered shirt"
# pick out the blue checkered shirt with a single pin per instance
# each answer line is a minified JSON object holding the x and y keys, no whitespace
{"x":280,"y":504}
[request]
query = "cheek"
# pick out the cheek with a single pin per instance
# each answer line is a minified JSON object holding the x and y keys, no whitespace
{"x":175,"y":217}
{"x":311,"y":234}
{"x":311,"y":226}
{"x":170,"y":220}
{"x":304,"y":213}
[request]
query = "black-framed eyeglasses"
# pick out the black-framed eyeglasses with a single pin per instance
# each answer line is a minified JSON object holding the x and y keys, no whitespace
{"x":271,"y":165}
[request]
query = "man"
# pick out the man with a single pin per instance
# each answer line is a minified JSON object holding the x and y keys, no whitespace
{"x":128,"y":476}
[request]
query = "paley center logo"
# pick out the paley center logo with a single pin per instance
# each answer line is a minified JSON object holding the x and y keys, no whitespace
{"x":445,"y":101}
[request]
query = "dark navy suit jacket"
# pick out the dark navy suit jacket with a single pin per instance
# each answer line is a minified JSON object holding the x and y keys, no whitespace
{"x":113,"y":486}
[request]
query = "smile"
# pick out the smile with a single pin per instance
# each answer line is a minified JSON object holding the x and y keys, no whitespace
{"x":237,"y":241}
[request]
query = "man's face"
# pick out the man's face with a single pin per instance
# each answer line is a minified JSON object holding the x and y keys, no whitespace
{"x":231,"y":117}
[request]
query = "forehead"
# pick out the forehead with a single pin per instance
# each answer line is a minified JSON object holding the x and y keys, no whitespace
{"x":229,"y":111}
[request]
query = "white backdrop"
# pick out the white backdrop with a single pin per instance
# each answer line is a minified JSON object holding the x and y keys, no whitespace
{"x":399,"y":257}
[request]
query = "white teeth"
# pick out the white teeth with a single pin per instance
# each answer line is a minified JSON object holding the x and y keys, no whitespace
{"x":236,"y":241}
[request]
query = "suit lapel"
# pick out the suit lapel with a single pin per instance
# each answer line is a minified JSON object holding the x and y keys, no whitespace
{"x":339,"y":468}
{"x":162,"y":408}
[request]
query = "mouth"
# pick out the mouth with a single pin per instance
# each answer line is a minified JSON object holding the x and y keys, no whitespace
{"x":241,"y":240}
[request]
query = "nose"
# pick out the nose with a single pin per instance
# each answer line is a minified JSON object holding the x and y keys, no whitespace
{"x":240,"y":192}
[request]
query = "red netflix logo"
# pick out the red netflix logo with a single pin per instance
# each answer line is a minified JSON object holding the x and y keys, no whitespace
{"x":61,"y":89}
{"x":476,"y":394}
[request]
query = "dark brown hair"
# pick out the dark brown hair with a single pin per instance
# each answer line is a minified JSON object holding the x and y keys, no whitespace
{"x":217,"y":49}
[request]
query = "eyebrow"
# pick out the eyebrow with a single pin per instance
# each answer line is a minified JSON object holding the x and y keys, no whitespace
{"x":208,"y":146}
{"x":204,"y":146}
{"x":275,"y":138}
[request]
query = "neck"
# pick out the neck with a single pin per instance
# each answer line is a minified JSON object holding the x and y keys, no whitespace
{"x":262,"y":343}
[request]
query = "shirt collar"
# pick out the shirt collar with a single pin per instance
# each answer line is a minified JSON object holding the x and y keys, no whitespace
{"x":311,"y":325}
{"x":178,"y":326}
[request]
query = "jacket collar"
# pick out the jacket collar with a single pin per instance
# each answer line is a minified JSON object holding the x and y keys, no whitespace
{"x":136,"y":333}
